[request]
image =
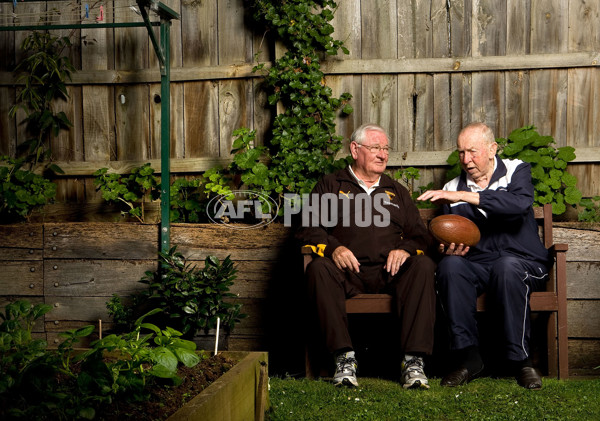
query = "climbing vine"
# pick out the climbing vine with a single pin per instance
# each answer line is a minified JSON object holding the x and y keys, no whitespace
{"x":303,"y":142}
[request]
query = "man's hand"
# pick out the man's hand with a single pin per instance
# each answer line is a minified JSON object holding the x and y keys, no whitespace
{"x":447,"y":197}
{"x":395,"y":259}
{"x":440,"y":196}
{"x":344,"y":259}
{"x":454,"y":249}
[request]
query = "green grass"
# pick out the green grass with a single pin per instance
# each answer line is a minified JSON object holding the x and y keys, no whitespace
{"x":483,"y":399}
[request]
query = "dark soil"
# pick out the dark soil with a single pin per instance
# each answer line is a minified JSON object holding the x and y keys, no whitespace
{"x":165,"y":400}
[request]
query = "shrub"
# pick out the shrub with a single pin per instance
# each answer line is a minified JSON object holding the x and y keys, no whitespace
{"x":21,"y":191}
{"x":191,"y":298}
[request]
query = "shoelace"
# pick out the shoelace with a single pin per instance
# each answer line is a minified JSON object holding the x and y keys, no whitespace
{"x":344,"y":363}
{"x":414,"y":364}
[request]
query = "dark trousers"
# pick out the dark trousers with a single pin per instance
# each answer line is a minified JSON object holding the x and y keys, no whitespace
{"x":508,"y":282}
{"x":412,"y":288}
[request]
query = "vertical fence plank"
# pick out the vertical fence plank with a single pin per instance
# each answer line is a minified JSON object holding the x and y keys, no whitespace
{"x":200,"y":107}
{"x":201,"y":112}
{"x":517,"y":82}
{"x":32,"y":11}
{"x":132,"y":47}
{"x":379,"y":97}
{"x":489,"y":39}
{"x":235,"y":46}
{"x":424,"y":88}
{"x":68,"y":145}
{"x":262,"y":112}
{"x":406,"y":82}
{"x":98,"y":101}
{"x":441,"y":82}
{"x":460,"y":46}
{"x":132,"y":122}
{"x":347,"y":28}
{"x":548,"y":92}
{"x":8,"y":129}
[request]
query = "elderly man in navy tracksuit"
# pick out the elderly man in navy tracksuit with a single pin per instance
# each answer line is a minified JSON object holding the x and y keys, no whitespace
{"x":508,"y":263}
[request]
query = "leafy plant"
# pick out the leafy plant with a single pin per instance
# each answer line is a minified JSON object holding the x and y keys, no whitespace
{"x":41,"y":383}
{"x":135,"y":359}
{"x":130,"y":189}
{"x":407,"y":176}
{"x":552,"y":183}
{"x":187,"y":200}
{"x":29,"y":371}
{"x":187,"y":197}
{"x":43,"y":73}
{"x":191,"y":298}
{"x":17,"y":346}
{"x":591,"y":209}
{"x":22,"y":191}
{"x":216,"y":182}
{"x":122,"y":315}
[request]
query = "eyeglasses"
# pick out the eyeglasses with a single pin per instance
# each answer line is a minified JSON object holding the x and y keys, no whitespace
{"x":375,"y":149}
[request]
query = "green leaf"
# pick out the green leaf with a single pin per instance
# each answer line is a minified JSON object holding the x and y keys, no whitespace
{"x":188,"y":357}
{"x":529,"y":156}
{"x":569,"y":179}
{"x":572,"y":195}
{"x":566,"y":153}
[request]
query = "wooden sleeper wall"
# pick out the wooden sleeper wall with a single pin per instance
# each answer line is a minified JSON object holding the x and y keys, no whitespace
{"x":76,"y":267}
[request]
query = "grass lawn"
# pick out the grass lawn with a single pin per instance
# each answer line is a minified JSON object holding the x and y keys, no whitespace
{"x":482,"y":399}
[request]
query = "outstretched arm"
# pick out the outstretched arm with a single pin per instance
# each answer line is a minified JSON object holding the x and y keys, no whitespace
{"x":447,"y":197}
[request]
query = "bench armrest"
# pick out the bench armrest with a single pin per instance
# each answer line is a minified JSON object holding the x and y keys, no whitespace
{"x":307,"y":257}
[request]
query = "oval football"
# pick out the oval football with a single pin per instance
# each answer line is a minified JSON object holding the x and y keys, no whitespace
{"x":454,"y":229}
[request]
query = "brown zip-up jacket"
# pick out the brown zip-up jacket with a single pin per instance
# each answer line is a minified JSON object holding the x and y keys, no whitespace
{"x":390,"y":206}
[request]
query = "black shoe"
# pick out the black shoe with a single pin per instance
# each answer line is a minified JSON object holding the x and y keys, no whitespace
{"x":459,"y":377}
{"x":529,"y":378}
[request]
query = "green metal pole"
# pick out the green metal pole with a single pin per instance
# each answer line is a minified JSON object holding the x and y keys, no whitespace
{"x":165,"y":138}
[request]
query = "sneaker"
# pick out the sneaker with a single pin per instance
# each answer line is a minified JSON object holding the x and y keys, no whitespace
{"x":345,"y":370}
{"x":413,"y":376}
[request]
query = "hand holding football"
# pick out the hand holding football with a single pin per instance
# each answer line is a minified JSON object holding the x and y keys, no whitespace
{"x":454,"y":229}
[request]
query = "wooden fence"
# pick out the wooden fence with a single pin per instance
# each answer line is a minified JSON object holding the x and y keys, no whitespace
{"x":422,"y":69}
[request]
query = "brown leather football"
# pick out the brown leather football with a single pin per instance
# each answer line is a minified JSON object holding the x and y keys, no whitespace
{"x":454,"y":229}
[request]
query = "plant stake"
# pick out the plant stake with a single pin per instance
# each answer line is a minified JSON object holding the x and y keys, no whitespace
{"x":217,"y":337}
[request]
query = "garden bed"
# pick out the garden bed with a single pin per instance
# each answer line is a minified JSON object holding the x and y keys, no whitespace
{"x":230,"y":385}
{"x":240,"y":394}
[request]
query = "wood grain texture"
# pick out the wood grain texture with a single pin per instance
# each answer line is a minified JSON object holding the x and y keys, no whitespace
{"x":584,"y":357}
{"x":584,"y":318}
{"x":96,"y":278}
{"x":201,"y":106}
{"x":583,"y":245}
{"x":549,"y":88}
{"x":582,"y":280}
{"x":22,"y":236}
{"x":23,"y":278}
{"x":100,"y":241}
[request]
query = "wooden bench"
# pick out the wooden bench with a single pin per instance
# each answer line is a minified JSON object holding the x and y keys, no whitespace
{"x":553,"y":300}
